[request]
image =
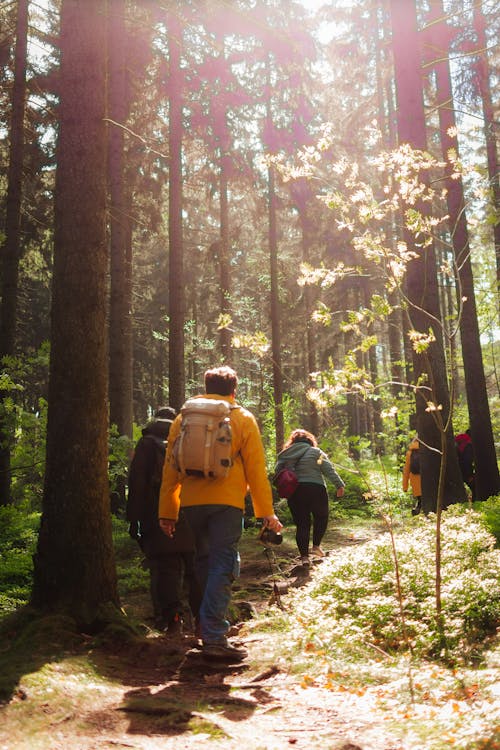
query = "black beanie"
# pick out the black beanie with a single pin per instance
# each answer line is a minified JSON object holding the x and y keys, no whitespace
{"x":165,"y":414}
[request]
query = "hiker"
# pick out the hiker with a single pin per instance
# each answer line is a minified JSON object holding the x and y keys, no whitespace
{"x":411,"y":475}
{"x":214,"y":503}
{"x":465,"y":454}
{"x":309,"y":501}
{"x":170,"y":562}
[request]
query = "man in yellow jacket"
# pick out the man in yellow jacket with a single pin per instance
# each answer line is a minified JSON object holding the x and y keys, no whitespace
{"x":214,"y":509}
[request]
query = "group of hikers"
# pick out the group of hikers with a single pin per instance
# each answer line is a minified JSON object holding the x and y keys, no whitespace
{"x":188,"y":481}
{"x":411,"y":468}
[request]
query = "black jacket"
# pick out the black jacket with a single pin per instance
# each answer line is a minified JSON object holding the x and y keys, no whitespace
{"x":144,"y":482}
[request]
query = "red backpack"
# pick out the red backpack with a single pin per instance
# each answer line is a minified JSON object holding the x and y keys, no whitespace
{"x":286,"y":479}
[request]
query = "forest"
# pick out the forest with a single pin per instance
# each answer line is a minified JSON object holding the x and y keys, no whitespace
{"x":305,"y":190}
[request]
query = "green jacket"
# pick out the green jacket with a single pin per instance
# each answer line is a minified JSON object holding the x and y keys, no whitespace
{"x":310,"y":464}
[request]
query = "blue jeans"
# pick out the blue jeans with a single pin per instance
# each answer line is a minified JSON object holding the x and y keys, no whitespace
{"x":217,"y":531}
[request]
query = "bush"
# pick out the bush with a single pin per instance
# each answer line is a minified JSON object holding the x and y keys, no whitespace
{"x":18,"y":535}
{"x":353,"y":598}
{"x":132,"y":576}
{"x":490,"y":512}
{"x":353,"y":503}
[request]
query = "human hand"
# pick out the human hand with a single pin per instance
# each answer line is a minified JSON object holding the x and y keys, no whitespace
{"x":167,"y":525}
{"x":340,"y":491}
{"x":273,"y":523}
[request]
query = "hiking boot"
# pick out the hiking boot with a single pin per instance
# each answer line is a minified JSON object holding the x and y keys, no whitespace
{"x":174,"y":627}
{"x":223,"y":652}
{"x":160,"y":622}
{"x":305,"y":561}
{"x":317,"y":551}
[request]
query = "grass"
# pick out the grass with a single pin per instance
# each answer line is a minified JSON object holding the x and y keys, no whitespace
{"x":342,"y":633}
{"x":339,"y":633}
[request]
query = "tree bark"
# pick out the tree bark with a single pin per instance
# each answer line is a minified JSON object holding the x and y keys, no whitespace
{"x":279,"y":420}
{"x":302,"y":194}
{"x":487,"y":477}
{"x":74,"y":568}
{"x":490,"y":125}
{"x":11,"y":251}
{"x":224,"y":267}
{"x":120,"y":315}
{"x":430,"y":375}
{"x":176,"y":370}
{"x":279,"y":423}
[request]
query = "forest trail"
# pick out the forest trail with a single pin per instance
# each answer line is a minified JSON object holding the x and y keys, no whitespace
{"x":157,"y":693}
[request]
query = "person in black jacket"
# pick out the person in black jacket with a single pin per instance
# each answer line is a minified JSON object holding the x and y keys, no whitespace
{"x":170,"y":561}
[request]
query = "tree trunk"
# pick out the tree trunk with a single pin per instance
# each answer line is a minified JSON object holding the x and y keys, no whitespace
{"x":224,"y":267}
{"x":223,"y":149}
{"x":279,"y":420}
{"x":11,"y":250}
{"x":120,"y":306}
{"x":74,"y":568}
{"x":487,"y":477}
{"x":120,"y":314}
{"x":279,"y":423}
{"x":373,"y":406}
{"x":395,"y":328}
{"x":302,"y":195}
{"x":176,"y":370}
{"x":430,"y":376}
{"x":490,"y":125}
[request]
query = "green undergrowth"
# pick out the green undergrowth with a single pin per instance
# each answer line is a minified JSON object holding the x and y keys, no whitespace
{"x":18,"y":534}
{"x":342,"y":631}
{"x":353,"y":602}
{"x":489,"y":511}
{"x":131,"y":572}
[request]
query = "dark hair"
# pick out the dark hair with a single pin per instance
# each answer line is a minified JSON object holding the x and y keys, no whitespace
{"x":301,"y":436}
{"x":221,"y":380}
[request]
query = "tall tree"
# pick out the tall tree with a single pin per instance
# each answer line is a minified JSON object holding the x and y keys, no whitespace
{"x":120,"y":307}
{"x":74,"y":567}
{"x":302,"y":198}
{"x":439,"y":465}
{"x":490,"y":125}
{"x":487,"y":478}
{"x":223,"y":147}
{"x":176,"y":368}
{"x":279,"y":423}
{"x":10,"y":253}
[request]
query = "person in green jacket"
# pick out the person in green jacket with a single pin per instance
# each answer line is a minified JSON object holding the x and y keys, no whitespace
{"x":309,"y":503}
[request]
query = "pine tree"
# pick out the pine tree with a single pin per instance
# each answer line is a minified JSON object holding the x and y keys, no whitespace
{"x":74,"y":566}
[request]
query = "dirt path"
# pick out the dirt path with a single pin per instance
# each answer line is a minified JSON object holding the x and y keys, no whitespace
{"x":155,"y":693}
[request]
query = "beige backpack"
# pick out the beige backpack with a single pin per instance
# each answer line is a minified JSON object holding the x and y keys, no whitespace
{"x":203,"y":447}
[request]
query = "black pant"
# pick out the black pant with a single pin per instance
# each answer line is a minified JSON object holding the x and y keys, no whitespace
{"x":309,"y":502}
{"x":171,"y":568}
{"x":167,"y":576}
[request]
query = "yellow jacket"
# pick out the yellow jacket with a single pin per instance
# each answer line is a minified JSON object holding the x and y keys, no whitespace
{"x":413,"y":479}
{"x":248,"y":472}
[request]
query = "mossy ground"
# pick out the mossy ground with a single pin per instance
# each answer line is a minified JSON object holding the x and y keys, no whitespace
{"x":128,"y":686}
